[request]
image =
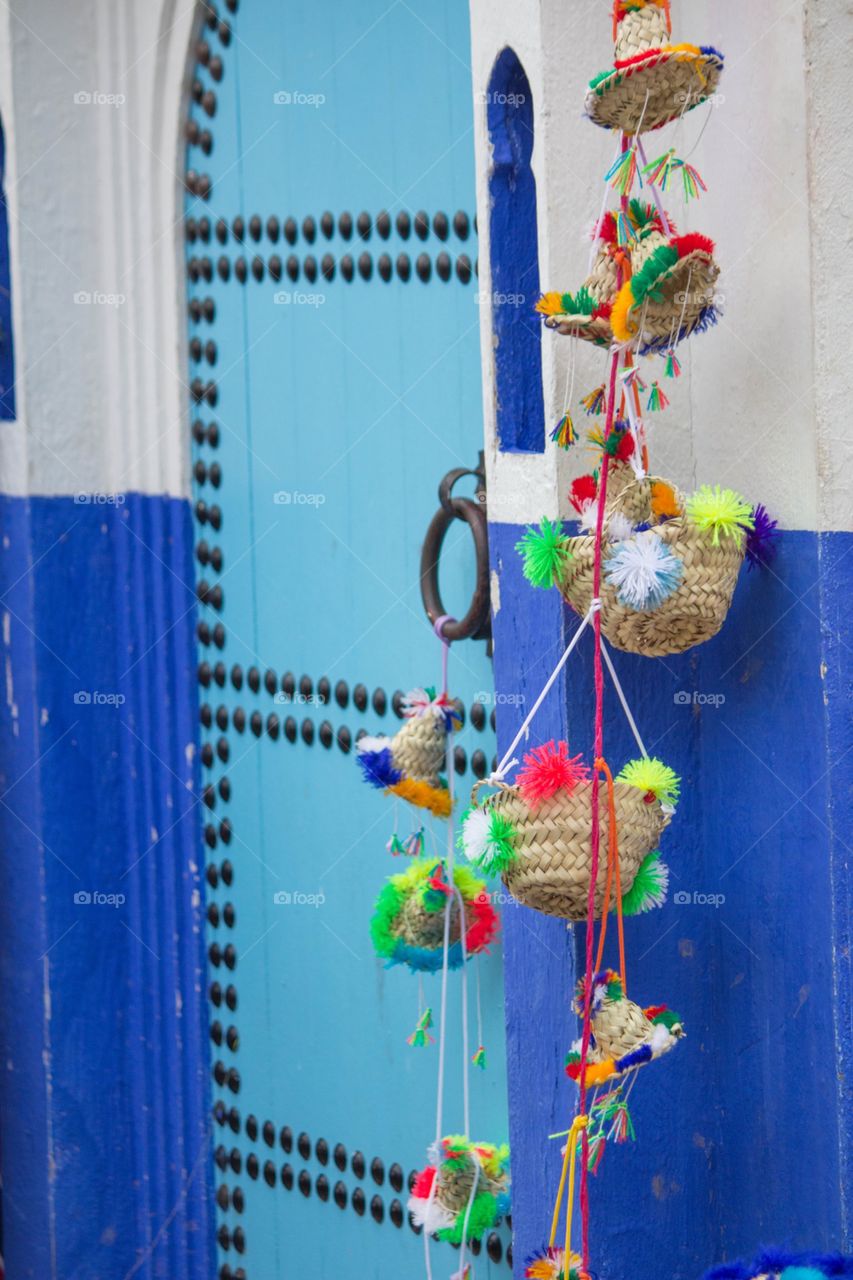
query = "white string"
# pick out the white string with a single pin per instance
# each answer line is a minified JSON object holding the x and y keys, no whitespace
{"x":468,"y":1209}
{"x":508,"y":761}
{"x":629,"y":717}
{"x":667,"y":229}
{"x":596,"y":235}
{"x":466,"y":1103}
{"x":479,"y":1007}
{"x":637,"y":456}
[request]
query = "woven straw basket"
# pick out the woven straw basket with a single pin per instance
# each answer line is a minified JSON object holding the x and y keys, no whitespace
{"x":453,"y":1186}
{"x":619,"y":1027}
{"x":554,"y":842}
{"x":421,"y":928}
{"x":669,"y":79}
{"x":419,"y":748}
{"x":696,"y":609}
{"x":602,"y":286}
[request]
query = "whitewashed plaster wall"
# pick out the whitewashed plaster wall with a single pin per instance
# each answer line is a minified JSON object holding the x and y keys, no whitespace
{"x":761,"y":405}
{"x":94,"y":199}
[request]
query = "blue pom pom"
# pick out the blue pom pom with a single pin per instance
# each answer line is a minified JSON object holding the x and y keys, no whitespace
{"x":378,"y":768}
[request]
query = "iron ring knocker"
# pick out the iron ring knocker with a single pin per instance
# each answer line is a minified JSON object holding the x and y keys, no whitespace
{"x":476,"y":624}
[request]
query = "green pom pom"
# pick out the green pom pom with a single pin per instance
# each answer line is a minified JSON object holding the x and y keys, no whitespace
{"x":483,"y":1216}
{"x":644,"y":284}
{"x":649,"y":888}
{"x":545,"y":552}
{"x":722,"y":511}
{"x":652,"y":775}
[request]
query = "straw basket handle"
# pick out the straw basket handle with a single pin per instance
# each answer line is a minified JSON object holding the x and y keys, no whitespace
{"x":484,"y":782}
{"x":640,"y":485}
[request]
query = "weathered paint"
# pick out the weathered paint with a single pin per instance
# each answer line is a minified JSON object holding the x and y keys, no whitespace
{"x":105,"y":1103}
{"x":743,"y":1133}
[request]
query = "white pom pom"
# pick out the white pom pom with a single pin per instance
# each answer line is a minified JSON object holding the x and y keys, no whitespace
{"x":432,"y":1217}
{"x":475,"y":834}
{"x":588,"y":517}
{"x":661,"y":1039}
{"x":644,"y":571}
{"x":619,"y":527}
{"x":368,"y":743}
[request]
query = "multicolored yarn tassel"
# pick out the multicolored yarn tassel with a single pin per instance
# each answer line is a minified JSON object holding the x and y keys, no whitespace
{"x":657,"y":399}
{"x":395,"y":845}
{"x":623,"y":172}
{"x":420,"y":1037}
{"x":414,"y":846}
{"x":672,"y":368}
{"x":564,"y":435}
{"x":660,"y":172}
{"x":594,"y":402}
{"x":626,"y":232}
{"x":479,"y":1058}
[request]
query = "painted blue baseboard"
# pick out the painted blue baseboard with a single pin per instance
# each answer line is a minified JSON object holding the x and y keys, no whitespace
{"x":744,"y":1131}
{"x":105,"y":1093}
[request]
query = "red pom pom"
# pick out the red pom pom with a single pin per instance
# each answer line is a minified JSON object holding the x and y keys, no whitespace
{"x":693,"y":242}
{"x":582,"y":492}
{"x":606,"y":229}
{"x":550,"y":769}
{"x":626,"y":447}
{"x":423,"y":1183}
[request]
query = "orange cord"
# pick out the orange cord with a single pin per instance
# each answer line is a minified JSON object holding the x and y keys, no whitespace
{"x":613,"y":872}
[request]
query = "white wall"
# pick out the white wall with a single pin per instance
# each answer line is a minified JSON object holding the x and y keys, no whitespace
{"x":761,"y":404}
{"x":94,"y":199}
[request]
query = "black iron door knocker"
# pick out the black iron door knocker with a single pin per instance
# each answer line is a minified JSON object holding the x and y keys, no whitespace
{"x":477,"y":623}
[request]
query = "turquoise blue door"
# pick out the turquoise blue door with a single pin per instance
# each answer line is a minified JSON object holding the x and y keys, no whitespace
{"x":334,"y":345}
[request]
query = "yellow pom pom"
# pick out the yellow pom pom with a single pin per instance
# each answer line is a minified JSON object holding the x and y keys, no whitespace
{"x":550,"y":304}
{"x":620,"y":315}
{"x":720,"y":511}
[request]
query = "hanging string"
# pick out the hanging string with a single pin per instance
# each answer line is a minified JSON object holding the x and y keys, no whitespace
{"x":667,"y":229}
{"x":624,"y":701}
{"x":508,"y":761}
{"x":613,"y":873}
{"x":465,"y":1090}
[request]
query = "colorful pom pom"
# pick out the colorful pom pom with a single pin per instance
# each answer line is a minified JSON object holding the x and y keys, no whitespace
{"x":643,"y":571}
{"x":549,"y":1264}
{"x":545,"y":552}
{"x":653,"y":777}
{"x":563,"y":434}
{"x":721,"y":511}
{"x":487,"y":839}
{"x":761,"y":539}
{"x":550,"y":304}
{"x":649,"y":888}
{"x":420,"y":1037}
{"x":583,"y":491}
{"x":664,"y":502}
{"x":547,"y":770}
{"x":657,"y":399}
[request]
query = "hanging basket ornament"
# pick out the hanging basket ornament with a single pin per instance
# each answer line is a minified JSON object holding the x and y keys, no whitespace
{"x":410,"y":765}
{"x":669,"y":572}
{"x":538,"y":833}
{"x":408,"y":921}
{"x":652,"y":81}
{"x":648,"y":285}
{"x":624,"y":1035}
{"x":463,"y":1191}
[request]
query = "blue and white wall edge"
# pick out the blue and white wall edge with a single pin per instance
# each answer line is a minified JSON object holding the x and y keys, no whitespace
{"x":105,"y":1097}
{"x":745,"y":1136}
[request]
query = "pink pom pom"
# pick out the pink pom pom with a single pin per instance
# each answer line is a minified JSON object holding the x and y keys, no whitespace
{"x":549,"y":769}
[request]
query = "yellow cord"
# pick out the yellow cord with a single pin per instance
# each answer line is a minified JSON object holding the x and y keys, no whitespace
{"x":569,"y":1160}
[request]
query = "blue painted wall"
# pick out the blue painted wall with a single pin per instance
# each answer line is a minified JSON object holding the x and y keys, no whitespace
{"x":744,"y":1132}
{"x":104,"y":1097}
